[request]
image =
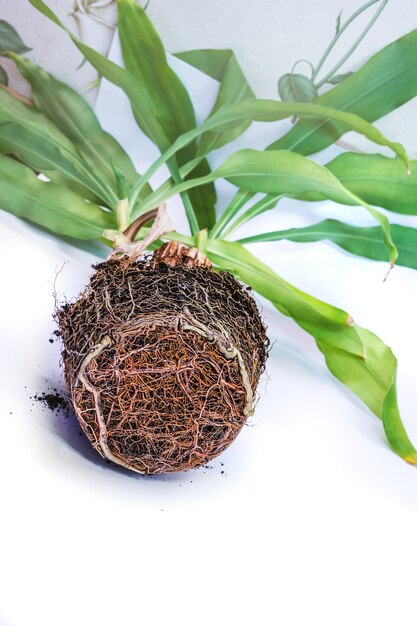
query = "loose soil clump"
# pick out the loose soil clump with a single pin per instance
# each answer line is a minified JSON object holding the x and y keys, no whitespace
{"x":162,"y":358}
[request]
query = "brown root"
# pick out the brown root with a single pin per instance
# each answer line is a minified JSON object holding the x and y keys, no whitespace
{"x":162,"y":361}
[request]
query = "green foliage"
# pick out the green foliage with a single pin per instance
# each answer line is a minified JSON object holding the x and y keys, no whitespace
{"x":70,"y":113}
{"x":223,"y":66}
{"x":10,"y":40}
{"x":61,"y":137}
{"x":385,"y":82}
{"x":358,"y":358}
{"x":34,"y":139}
{"x":378,"y":180}
{"x":363,"y":241}
{"x":145,"y":59}
{"x":56,"y":208}
{"x":296,"y":88}
{"x":299,"y":88}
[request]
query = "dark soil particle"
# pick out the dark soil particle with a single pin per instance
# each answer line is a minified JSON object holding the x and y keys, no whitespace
{"x":53,"y":401}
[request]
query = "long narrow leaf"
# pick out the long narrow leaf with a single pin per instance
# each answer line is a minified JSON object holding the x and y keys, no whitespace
{"x":38,"y":142}
{"x":56,"y":208}
{"x":286,"y":173}
{"x":276,"y":173}
{"x":266,"y":111}
{"x":76,"y":119}
{"x":271,"y":111}
{"x":141,"y":104}
{"x":145,"y":58}
{"x":369,"y":371}
{"x":222,"y":65}
{"x":373,"y":380}
{"x":139,"y":100}
{"x":362,"y":241}
{"x":378,"y":180}
{"x":385,"y":82}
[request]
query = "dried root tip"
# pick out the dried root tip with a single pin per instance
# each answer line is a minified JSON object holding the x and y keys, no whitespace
{"x":174,"y":253}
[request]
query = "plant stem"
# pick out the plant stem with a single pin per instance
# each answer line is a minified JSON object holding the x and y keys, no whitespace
{"x":264,"y":204}
{"x":191,"y":216}
{"x":339,"y":34}
{"x":164,"y":193}
{"x":122,"y":214}
{"x":237,"y":202}
{"x":356,"y":43}
{"x":303,"y":61}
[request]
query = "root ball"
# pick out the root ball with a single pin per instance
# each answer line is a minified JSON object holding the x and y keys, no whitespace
{"x":162,"y":358}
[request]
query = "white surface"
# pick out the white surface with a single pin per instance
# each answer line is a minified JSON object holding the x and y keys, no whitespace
{"x":314,"y":520}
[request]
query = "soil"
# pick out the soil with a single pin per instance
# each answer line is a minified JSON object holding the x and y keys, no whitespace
{"x":162,"y":362}
{"x":52,"y":400}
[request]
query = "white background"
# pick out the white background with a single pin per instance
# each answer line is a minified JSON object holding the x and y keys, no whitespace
{"x":313,"y":520}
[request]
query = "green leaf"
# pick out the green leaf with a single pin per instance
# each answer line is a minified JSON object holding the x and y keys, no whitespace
{"x":385,"y":82}
{"x":379,"y":180}
{"x":223,"y":66}
{"x":373,"y":380}
{"x":276,"y":173}
{"x":77,"y":121}
{"x":266,"y":111}
{"x":10,"y":40}
{"x":359,"y":359}
{"x":56,"y":208}
{"x":36,"y":141}
{"x":296,"y":88}
{"x":325,"y":322}
{"x":363,"y":241}
{"x":271,"y":110}
{"x":282,"y":172}
{"x":4,"y":78}
{"x":145,"y":59}
{"x":338,"y":78}
{"x":140,"y":102}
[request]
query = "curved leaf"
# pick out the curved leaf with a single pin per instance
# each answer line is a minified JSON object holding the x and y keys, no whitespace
{"x":378,"y":180}
{"x":56,"y":208}
{"x":77,"y":121}
{"x":145,"y":58}
{"x":265,"y":111}
{"x":38,"y":142}
{"x":369,"y":370}
{"x":296,"y":88}
{"x":223,"y":66}
{"x":10,"y":40}
{"x":281,"y":172}
{"x":385,"y":82}
{"x":362,"y":241}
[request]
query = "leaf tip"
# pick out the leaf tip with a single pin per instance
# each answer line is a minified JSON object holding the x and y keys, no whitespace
{"x":391,"y":267}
